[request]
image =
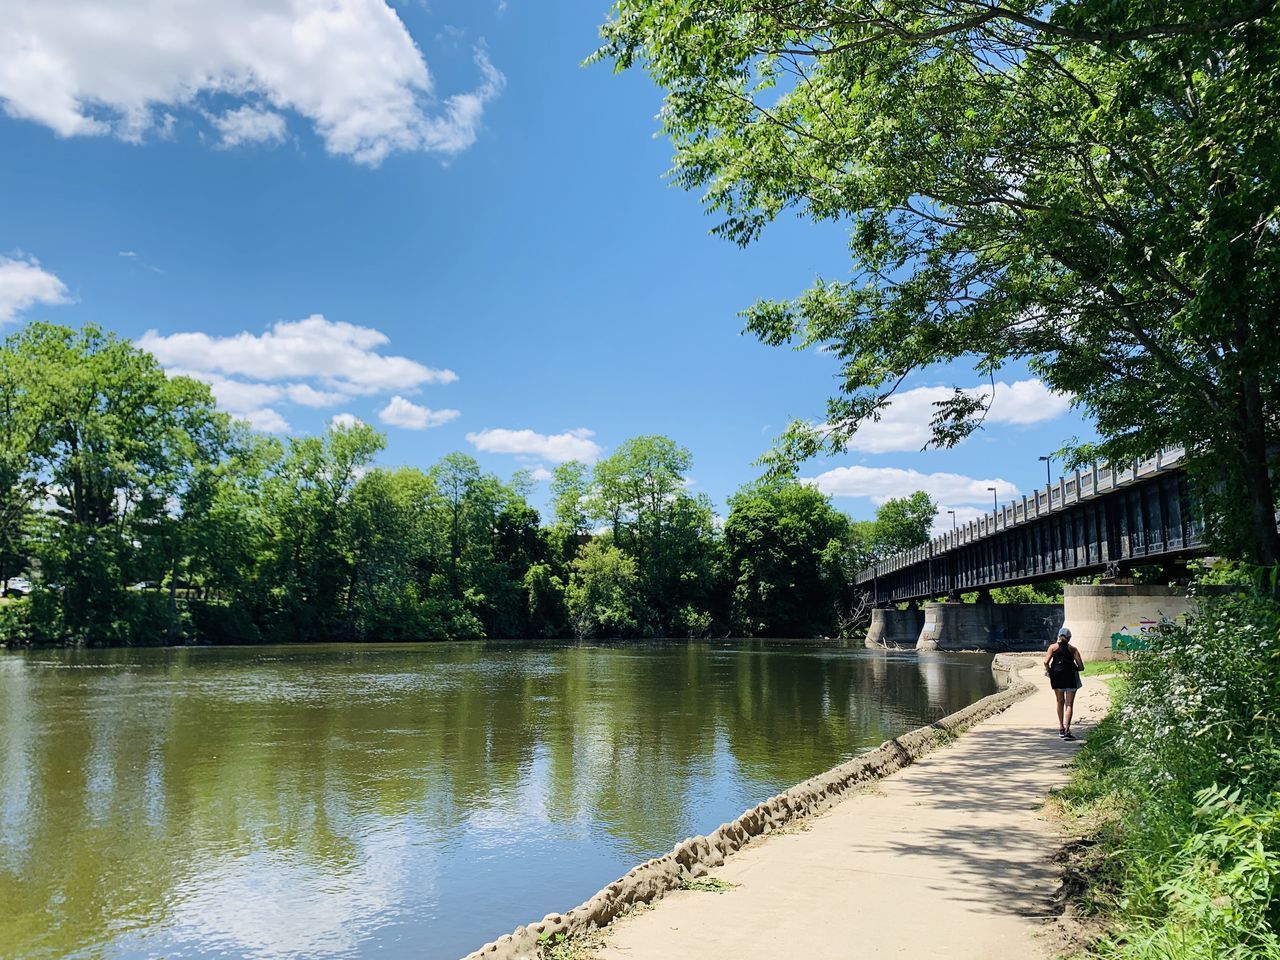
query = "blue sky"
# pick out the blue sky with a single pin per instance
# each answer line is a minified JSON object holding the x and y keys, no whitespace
{"x":433,"y":218}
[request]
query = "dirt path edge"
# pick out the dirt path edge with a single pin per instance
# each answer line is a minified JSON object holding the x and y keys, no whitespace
{"x":696,"y":856}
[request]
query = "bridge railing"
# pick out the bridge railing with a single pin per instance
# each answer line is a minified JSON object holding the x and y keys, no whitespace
{"x":1070,"y":489}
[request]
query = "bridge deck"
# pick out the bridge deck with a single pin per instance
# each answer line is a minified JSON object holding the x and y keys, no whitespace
{"x":1143,"y":513}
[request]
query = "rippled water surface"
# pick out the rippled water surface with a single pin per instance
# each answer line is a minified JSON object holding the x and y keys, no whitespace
{"x":397,"y":801}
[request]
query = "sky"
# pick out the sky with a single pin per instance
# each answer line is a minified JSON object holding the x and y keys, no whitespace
{"x":432,"y":217}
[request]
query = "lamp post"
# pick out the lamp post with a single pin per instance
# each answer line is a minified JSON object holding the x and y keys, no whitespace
{"x":1048,"y":477}
{"x":995,"y":500}
{"x":953,"y":520}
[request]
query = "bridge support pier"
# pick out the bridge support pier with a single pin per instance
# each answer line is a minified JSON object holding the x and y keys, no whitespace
{"x":1107,"y":620}
{"x":895,"y":628}
{"x":989,"y":626}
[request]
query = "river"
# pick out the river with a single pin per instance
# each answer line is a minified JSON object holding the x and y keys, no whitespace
{"x":394,"y":800}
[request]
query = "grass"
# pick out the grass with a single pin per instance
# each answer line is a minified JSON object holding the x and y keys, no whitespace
{"x":1096,"y":668}
{"x":578,"y":947}
{"x":707,"y":885}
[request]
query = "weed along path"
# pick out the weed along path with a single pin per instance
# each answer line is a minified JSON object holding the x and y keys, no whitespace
{"x":950,"y":857}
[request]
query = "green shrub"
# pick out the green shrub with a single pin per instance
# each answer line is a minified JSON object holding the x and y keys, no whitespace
{"x":1190,"y":759}
{"x":1204,"y":704}
{"x":1221,"y":898}
{"x":222,"y":621}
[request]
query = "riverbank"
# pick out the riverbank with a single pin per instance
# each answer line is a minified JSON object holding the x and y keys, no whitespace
{"x":948,"y":857}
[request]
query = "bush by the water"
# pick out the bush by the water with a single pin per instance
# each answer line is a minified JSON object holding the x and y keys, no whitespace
{"x":1189,"y":762}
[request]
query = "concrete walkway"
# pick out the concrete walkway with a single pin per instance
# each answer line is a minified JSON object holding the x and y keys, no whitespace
{"x":949,"y":858}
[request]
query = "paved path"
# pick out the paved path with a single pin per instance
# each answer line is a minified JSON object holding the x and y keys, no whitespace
{"x":946,"y":859}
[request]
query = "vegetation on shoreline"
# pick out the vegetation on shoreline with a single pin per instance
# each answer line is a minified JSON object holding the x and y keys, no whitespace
{"x":146,"y":516}
{"x":1178,"y":790}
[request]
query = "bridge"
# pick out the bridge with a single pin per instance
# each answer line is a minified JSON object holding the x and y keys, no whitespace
{"x":1086,"y":523}
{"x":1098,"y":520}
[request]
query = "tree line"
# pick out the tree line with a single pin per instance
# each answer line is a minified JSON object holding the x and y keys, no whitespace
{"x":143,"y":515}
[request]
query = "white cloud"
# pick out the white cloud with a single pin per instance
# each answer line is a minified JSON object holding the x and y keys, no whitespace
{"x":904,"y":424}
{"x":882,"y":483}
{"x":313,"y":363}
{"x":558,"y":447}
{"x":249,"y":124}
{"x":540,"y":474}
{"x":24,"y":283}
{"x":342,"y":357}
{"x":237,"y":396}
{"x":266,"y":420}
{"x":344,"y":421}
{"x":349,"y":67}
{"x":309,"y":396}
{"x":399,"y":412}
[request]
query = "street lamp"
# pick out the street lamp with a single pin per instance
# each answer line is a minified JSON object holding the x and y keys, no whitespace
{"x":953,"y":520}
{"x":995,"y":500}
{"x":1048,"y":477}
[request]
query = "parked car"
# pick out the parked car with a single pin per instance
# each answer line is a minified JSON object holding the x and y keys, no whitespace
{"x":16,"y":587}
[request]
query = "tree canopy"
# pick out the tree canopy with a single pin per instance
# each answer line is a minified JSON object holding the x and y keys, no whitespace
{"x":1087,"y":187}
{"x":145,"y":516}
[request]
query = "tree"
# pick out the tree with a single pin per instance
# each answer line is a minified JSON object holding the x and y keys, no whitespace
{"x":1084,"y":186}
{"x":570,"y":491}
{"x":776,"y":538}
{"x":640,"y":493}
{"x":18,"y":487}
{"x":112,"y":444}
{"x":902,"y":523}
{"x":545,"y":595}
{"x":602,"y":592}
{"x":309,"y":501}
{"x":392,"y":547}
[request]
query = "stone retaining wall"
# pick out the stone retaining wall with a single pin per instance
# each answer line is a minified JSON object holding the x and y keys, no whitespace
{"x":989,"y":626}
{"x":894,"y":628}
{"x":697,"y":856}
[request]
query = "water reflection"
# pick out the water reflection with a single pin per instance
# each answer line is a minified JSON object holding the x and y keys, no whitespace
{"x":337,"y":801}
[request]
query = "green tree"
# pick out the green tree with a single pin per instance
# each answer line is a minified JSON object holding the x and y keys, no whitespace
{"x":640,"y":492}
{"x":842,"y":561}
{"x":392,"y":547}
{"x":1084,"y":186}
{"x":545,"y":596}
{"x":570,"y":491}
{"x":902,"y":523}
{"x":113,"y":444}
{"x":18,"y":486}
{"x":493,"y":538}
{"x":776,"y":540}
{"x":602,"y":592}
{"x":313,"y":566}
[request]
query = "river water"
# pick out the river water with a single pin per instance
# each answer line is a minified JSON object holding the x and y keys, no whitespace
{"x":397,"y":801}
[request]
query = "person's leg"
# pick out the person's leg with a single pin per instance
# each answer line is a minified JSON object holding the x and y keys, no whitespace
{"x":1068,"y":704}
{"x":1058,"y":694}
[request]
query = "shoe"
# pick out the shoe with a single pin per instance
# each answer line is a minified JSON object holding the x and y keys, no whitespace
{"x":1068,"y":736}
{"x":1062,"y":734}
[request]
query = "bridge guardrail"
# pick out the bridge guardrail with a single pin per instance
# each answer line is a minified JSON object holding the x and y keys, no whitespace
{"x":1068,"y":491}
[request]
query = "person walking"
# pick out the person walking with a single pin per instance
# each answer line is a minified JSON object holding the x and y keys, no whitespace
{"x":1062,"y":665}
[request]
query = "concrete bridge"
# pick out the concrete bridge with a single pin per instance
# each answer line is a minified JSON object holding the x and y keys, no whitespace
{"x":1100,"y":520}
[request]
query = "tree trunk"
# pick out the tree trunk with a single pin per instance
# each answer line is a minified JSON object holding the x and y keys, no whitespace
{"x":1264,"y":540}
{"x":171,"y":634}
